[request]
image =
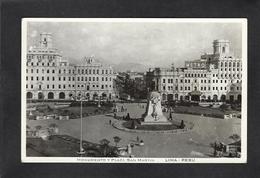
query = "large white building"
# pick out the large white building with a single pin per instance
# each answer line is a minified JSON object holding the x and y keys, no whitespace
{"x":216,"y":76}
{"x":50,"y":77}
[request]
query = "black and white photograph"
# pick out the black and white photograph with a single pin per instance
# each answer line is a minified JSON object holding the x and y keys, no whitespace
{"x":134,"y":90}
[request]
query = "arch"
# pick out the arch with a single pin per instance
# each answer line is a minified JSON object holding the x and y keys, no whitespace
{"x":170,"y":97}
{"x":231,"y":98}
{"x":203,"y":98}
{"x":239,"y":98}
{"x":181,"y":97}
{"x":164,"y":97}
{"x":223,"y":98}
{"x":29,"y":95}
{"x":40,"y":96}
{"x":50,"y":95}
{"x":95,"y":96}
{"x":215,"y":97}
{"x":187,"y":97}
{"x":61,"y":95}
{"x":176,"y":96}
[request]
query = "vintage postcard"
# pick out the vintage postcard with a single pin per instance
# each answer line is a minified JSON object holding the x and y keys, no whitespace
{"x":134,"y":90}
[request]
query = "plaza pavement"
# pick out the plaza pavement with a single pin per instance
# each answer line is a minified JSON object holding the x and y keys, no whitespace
{"x":191,"y":144}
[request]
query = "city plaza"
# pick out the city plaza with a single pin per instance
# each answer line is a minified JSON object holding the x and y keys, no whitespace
{"x":195,"y":143}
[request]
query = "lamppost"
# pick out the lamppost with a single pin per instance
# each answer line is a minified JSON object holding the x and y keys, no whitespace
{"x":81,"y":149}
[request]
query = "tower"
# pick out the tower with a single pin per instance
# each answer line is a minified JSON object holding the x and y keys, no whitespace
{"x":221,"y":47}
{"x":46,"y":40}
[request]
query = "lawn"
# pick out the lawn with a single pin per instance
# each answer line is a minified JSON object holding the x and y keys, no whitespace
{"x":61,"y":146}
{"x":197,"y":110}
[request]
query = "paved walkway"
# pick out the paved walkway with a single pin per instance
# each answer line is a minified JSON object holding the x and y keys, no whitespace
{"x":191,"y":144}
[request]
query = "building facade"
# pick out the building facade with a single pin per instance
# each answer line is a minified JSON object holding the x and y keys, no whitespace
{"x":50,"y":77}
{"x":216,"y":76}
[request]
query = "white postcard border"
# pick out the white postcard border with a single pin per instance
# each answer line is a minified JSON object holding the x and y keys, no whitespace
{"x":243,"y":158}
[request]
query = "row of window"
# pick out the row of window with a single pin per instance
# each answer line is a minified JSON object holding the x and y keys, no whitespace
{"x":229,"y":69}
{"x":229,"y":64}
{"x":70,"y":78}
{"x":41,"y":56}
{"x":201,"y":88}
{"x":195,"y":75}
{"x":69,"y":86}
{"x":86,"y":71}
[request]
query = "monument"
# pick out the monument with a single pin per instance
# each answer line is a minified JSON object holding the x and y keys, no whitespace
{"x":153,"y":114}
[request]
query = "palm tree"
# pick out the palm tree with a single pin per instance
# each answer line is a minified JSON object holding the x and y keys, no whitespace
{"x":116,"y":140}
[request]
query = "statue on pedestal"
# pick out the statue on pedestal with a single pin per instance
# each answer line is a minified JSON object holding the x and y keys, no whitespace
{"x":153,"y":114}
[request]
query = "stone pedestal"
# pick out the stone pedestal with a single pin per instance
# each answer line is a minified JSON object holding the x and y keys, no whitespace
{"x":154,"y":114}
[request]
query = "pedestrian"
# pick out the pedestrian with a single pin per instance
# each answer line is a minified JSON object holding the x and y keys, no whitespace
{"x":137,"y":139}
{"x":110,"y":122}
{"x":115,"y":115}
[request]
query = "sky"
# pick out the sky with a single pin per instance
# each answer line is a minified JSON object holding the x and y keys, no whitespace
{"x":150,"y":44}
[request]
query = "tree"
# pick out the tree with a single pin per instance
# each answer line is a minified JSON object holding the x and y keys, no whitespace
{"x":28,"y":127}
{"x":53,"y":128}
{"x":38,"y":127}
{"x":117,"y":140}
{"x":104,"y":146}
{"x":235,"y":137}
{"x":182,"y":124}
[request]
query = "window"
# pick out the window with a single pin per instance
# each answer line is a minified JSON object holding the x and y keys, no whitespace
{"x":53,"y":86}
{"x":59,"y":78}
{"x":64,"y":78}
{"x":48,"y":71}
{"x":32,"y":86}
{"x":163,"y":80}
{"x":32,"y":78}
{"x":64,"y":86}
{"x":31,"y":70}
{"x":59,"y":71}
{"x":42,"y":78}
{"x":59,"y":86}
{"x":47,"y":86}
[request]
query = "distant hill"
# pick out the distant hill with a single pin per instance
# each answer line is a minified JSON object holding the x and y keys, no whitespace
{"x":136,"y":67}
